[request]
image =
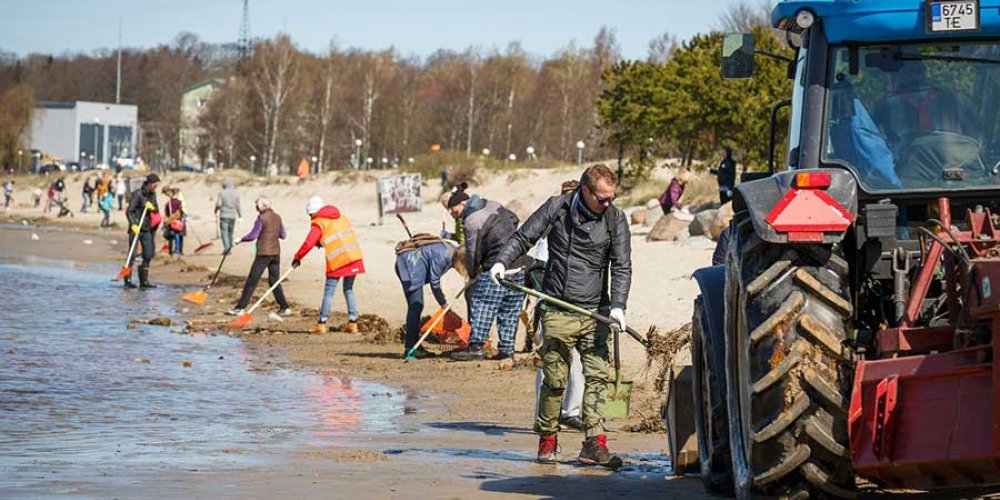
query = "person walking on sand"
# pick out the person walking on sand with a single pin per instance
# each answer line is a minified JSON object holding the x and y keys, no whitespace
{"x":176,"y":226}
{"x":88,"y":191}
{"x":267,"y":231}
{"x":332,"y":231}
{"x":120,"y":190}
{"x":36,"y":197}
{"x":227,"y":206}
{"x":143,"y":228}
{"x":106,"y":203}
{"x":488,"y":226}
{"x":726,"y":175}
{"x":589,"y":265}
{"x":8,"y":194}
{"x":419,"y":264}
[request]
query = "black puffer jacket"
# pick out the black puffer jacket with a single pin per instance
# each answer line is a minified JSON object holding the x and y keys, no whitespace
{"x":136,"y":204}
{"x":579,"y":253}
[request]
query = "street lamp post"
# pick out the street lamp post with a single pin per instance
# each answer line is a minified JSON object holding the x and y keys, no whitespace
{"x":385,"y":163}
{"x":357,"y":153}
{"x":315,"y":165}
{"x":512,"y":157}
{"x":531,"y":152}
{"x":368,"y":162}
{"x":20,"y":161}
{"x":579,"y":152}
{"x":253,"y":164}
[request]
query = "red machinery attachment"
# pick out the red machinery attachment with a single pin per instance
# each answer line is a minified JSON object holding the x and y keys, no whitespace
{"x":806,"y":211}
{"x":931,"y":416}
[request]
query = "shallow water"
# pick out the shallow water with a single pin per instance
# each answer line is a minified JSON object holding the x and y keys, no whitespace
{"x":82,"y":397}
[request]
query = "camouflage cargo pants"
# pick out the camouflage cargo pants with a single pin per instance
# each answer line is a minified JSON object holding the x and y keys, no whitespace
{"x":563,"y":332}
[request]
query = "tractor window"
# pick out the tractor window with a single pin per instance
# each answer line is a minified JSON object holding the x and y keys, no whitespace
{"x":916,"y":117}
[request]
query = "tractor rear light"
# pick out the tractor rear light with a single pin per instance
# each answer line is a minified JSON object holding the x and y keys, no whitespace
{"x":812,"y":180}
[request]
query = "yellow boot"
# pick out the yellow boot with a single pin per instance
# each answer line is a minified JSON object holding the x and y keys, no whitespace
{"x":352,"y":327}
{"x":318,"y":328}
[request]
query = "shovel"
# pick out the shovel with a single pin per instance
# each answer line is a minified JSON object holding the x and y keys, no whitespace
{"x":198,"y":296}
{"x":127,"y":269}
{"x":201,"y":245}
{"x":619,"y":400}
{"x":244,"y":319}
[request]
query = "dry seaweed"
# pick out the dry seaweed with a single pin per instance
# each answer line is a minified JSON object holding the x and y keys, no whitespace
{"x":662,"y":349}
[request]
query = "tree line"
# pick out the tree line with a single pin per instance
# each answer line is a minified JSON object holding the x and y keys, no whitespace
{"x":285,"y":103}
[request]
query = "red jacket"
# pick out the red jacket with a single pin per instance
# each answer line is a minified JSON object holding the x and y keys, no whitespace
{"x":315,"y":238}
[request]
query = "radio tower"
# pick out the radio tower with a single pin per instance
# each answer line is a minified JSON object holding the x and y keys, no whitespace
{"x":243,"y":46}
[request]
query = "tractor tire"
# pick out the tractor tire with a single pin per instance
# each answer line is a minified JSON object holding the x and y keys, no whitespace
{"x":711,"y":419}
{"x":788,"y":368}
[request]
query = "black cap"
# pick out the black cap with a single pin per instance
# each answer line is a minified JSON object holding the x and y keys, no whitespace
{"x":458,"y":195}
{"x":151,"y":178}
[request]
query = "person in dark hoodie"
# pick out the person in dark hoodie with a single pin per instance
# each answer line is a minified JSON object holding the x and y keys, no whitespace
{"x":267,"y":231}
{"x":726,"y":175}
{"x":143,"y":228}
{"x":487,"y":226}
{"x":424,"y":264}
{"x":332,"y":231}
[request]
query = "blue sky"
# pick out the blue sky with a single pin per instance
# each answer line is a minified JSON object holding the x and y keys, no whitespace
{"x":412,"y":26}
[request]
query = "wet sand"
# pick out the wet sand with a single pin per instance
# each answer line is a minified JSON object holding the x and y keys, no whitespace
{"x":465,"y":432}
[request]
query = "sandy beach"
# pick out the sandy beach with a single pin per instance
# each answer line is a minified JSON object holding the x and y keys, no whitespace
{"x":474,"y":419}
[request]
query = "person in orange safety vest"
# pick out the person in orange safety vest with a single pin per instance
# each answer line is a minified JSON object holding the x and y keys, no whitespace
{"x":332,"y":231}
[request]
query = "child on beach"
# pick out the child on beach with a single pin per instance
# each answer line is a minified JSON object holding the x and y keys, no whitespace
{"x":106,"y":203}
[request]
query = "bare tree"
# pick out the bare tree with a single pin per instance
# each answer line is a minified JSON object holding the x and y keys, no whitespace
{"x":273,"y":79}
{"x":662,"y":48}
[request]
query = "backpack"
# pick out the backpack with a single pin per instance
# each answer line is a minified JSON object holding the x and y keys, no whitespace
{"x":417,"y":241}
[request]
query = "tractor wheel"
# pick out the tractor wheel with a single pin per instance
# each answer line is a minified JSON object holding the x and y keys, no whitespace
{"x":788,"y":370}
{"x":709,"y":389}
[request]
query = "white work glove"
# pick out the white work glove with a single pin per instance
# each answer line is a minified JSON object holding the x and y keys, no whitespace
{"x":618,"y":315}
{"x":497,"y":271}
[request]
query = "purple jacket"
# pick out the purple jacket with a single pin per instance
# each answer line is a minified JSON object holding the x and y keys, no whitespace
{"x":671,"y":198}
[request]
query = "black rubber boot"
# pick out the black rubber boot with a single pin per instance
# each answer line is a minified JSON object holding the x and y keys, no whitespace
{"x":471,"y":353}
{"x":128,"y":282}
{"x":144,"y":278}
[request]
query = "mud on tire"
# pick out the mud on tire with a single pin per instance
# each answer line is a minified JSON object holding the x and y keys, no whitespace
{"x":788,"y":368}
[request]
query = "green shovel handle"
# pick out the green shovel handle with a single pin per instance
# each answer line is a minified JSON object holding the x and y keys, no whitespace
{"x":573,"y":308}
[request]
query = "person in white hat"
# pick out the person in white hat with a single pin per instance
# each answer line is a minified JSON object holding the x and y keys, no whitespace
{"x":333,"y":232}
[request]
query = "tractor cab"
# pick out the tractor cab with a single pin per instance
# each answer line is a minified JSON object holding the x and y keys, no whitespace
{"x":850,"y":331}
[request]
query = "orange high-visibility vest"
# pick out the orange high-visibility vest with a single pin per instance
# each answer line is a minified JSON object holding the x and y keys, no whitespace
{"x":339,"y":242}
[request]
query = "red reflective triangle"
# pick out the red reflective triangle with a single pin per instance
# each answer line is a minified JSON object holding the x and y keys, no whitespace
{"x":808,"y":210}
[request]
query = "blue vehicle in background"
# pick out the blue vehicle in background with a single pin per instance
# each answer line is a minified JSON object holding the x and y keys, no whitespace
{"x":849,"y":331}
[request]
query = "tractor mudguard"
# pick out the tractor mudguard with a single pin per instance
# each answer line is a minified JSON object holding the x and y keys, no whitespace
{"x":760,"y":197}
{"x":712,"y":282}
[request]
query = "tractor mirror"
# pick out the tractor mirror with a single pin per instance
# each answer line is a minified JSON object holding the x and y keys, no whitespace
{"x":737,"y":56}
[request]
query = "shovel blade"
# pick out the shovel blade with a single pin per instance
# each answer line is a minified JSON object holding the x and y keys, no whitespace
{"x":202,"y":247}
{"x":124,"y":273}
{"x":241,"y":322}
{"x":619,"y":401}
{"x":196,"y":297}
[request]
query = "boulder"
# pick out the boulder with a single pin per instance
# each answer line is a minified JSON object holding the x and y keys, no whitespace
{"x":722,"y":218}
{"x":639,"y":216}
{"x":668,"y":229}
{"x":652,"y":216}
{"x":653,"y":204}
{"x":702,"y":223}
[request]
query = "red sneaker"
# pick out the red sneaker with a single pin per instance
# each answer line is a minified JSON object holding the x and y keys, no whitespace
{"x":548,"y":446}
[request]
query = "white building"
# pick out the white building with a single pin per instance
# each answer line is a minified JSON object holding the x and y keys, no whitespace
{"x":85,"y":132}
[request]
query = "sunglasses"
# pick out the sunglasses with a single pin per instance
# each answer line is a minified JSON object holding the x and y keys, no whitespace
{"x":601,"y":201}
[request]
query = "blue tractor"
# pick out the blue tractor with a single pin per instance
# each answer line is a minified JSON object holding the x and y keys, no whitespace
{"x":849,"y":330}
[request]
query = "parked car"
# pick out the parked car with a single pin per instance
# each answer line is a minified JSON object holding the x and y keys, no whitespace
{"x":49,"y":167}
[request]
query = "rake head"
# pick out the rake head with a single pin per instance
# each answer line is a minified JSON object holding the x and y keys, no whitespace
{"x":203,"y":246}
{"x":195,"y":297}
{"x":241,"y":322}
{"x":124,"y":273}
{"x":165,"y":248}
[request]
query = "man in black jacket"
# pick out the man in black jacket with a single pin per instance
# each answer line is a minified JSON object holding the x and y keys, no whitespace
{"x":589,"y":241}
{"x":488,"y":226}
{"x":143,"y":228}
{"x":726,"y":174}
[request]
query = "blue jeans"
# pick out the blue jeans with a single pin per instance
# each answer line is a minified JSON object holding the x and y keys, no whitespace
{"x":226,"y":227}
{"x":330,"y":289}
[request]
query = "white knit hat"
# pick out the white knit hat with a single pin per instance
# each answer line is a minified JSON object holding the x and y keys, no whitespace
{"x":315,"y":203}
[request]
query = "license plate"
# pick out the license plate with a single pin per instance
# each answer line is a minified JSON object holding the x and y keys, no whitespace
{"x":952,"y":15}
